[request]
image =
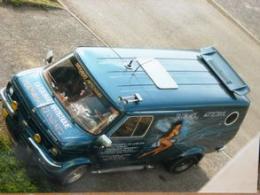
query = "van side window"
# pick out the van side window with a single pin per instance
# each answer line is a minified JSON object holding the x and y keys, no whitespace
{"x":134,"y":126}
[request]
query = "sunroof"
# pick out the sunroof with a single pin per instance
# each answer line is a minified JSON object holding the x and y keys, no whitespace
{"x":159,"y":75}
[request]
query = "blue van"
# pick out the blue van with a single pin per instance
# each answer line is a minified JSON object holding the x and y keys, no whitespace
{"x":113,"y":109}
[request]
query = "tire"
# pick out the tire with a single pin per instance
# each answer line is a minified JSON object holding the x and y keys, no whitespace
{"x":182,"y":164}
{"x":73,"y":175}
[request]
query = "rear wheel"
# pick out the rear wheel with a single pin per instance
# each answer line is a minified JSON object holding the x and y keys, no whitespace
{"x":182,"y":164}
{"x":73,"y":174}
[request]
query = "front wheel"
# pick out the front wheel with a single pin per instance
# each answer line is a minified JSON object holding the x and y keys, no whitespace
{"x":73,"y":175}
{"x":181,"y":164}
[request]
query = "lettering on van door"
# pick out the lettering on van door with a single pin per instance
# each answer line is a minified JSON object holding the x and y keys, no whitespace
{"x":128,"y":139}
{"x":121,"y":151}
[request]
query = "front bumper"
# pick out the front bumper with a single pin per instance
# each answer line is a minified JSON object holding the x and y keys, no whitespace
{"x":6,"y":105}
{"x":16,"y":124}
{"x":22,"y":131}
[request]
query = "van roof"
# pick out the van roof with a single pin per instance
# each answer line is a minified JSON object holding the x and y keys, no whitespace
{"x":197,"y":85}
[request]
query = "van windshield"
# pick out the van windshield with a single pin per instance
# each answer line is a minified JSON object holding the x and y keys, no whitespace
{"x":75,"y":90}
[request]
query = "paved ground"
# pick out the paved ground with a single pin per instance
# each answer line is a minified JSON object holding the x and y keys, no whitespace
{"x":231,"y":178}
{"x":177,"y":24}
{"x":246,"y":12}
{"x":25,"y":36}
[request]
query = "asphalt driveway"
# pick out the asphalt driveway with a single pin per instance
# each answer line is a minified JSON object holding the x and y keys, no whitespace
{"x":27,"y":34}
{"x":172,"y":24}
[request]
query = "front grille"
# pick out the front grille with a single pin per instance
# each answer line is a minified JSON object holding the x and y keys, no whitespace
{"x":27,"y":115}
{"x":24,"y":111}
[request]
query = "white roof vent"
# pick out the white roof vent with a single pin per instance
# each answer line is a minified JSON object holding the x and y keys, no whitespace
{"x":159,"y":75}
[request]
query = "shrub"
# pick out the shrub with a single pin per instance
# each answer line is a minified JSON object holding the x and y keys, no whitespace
{"x":40,"y":3}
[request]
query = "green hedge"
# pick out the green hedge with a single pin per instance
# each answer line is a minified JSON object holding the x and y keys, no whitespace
{"x":40,"y":3}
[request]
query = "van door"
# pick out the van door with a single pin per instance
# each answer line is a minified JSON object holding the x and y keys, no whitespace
{"x":127,"y":141}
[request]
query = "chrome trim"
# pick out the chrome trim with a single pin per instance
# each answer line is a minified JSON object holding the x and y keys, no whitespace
{"x":41,"y":153}
{"x":232,"y":122}
{"x":42,"y":105}
{"x":122,"y":169}
{"x":130,"y":99}
{"x":5,"y":102}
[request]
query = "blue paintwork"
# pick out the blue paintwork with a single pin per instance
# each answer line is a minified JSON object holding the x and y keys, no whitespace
{"x":200,"y":91}
{"x":198,"y":86}
{"x":47,"y":111}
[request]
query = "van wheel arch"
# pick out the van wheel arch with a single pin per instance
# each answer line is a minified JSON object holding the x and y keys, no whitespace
{"x":182,"y":163}
{"x":73,"y":174}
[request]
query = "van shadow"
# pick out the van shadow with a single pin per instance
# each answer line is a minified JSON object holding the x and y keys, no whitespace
{"x":153,"y":180}
{"x":34,"y":173}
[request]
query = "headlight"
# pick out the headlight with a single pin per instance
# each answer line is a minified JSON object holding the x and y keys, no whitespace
{"x":14,"y":105}
{"x":54,"y":151}
{"x":37,"y":138}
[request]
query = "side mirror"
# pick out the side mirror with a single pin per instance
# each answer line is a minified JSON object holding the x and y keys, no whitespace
{"x":49,"y":57}
{"x":104,"y":141}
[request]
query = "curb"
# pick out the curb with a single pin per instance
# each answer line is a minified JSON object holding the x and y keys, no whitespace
{"x":231,"y":178}
{"x":225,"y":13}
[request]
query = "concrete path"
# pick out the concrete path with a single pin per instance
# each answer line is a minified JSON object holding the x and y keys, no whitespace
{"x":172,"y":24}
{"x":245,"y":12}
{"x":238,"y":175}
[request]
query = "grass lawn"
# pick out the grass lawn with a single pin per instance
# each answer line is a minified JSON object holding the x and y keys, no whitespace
{"x":40,"y":3}
{"x":13,"y":177}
